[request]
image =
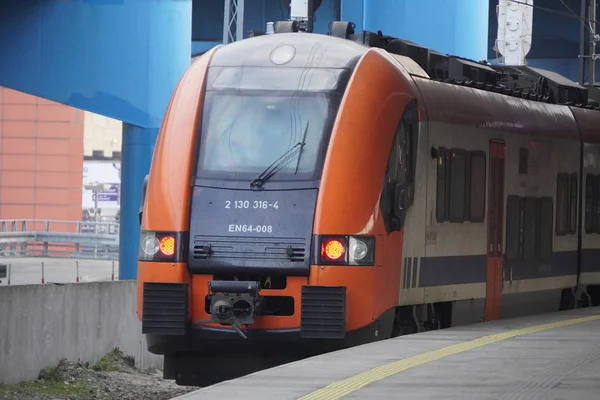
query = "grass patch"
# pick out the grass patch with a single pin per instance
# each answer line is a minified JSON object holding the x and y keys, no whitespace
{"x":113,"y":361}
{"x":48,"y":387}
{"x":51,"y":381}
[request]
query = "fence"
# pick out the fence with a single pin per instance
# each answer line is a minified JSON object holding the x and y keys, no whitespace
{"x":50,"y":238}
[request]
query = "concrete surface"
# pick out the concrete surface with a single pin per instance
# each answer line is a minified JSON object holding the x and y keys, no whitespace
{"x":28,"y":270}
{"x":559,"y":363}
{"x":40,"y":324}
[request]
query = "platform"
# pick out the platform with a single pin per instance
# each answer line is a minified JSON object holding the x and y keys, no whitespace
{"x":549,"y":356}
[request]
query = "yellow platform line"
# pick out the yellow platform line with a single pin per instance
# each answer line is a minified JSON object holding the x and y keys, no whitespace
{"x":346,"y":386}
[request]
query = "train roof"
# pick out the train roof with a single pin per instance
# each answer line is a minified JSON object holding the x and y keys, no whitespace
{"x":524,"y":82}
{"x":481,"y":109}
{"x":292,"y":49}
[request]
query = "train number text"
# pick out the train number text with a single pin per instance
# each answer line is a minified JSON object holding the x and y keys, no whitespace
{"x":255,"y":204}
{"x":251,"y":228}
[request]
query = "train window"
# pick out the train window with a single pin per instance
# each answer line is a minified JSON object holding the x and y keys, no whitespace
{"x":461,"y":185}
{"x":596,"y":205}
{"x":395,"y":173}
{"x":467,"y":203}
{"x":573,"y":205}
{"x":562,"y":204}
{"x":545,"y":229}
{"x":411,"y":158}
{"x":410,"y":119}
{"x":590,"y":203}
{"x":443,"y":183}
{"x":514,"y":209}
{"x":458,"y":165}
{"x":477,"y":189}
{"x":523,"y":160}
{"x":243,"y":134}
{"x":530,"y":228}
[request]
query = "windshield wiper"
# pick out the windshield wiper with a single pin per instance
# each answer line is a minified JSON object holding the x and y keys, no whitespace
{"x":285,"y":158}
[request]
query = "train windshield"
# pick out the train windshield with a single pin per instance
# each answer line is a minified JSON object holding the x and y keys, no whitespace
{"x":246,"y":130}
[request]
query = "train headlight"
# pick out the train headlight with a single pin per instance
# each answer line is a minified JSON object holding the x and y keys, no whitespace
{"x":150,"y":245}
{"x":358,"y":249}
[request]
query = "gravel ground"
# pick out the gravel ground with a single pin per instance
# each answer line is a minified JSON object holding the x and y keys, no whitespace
{"x":113,"y":377}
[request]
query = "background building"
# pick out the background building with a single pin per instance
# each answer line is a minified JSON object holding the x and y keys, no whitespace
{"x":48,"y":151}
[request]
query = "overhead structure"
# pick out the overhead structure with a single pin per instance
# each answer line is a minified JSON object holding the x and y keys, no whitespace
{"x":302,"y":17}
{"x":594,"y":38}
{"x":233,"y":21}
{"x":303,"y":12}
{"x":515,"y":27}
{"x":513,"y":80}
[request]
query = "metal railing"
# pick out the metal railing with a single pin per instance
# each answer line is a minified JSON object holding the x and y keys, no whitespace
{"x":52,"y":238}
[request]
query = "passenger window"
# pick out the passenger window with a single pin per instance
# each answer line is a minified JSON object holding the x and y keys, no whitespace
{"x":573,"y":205}
{"x":530,"y":228}
{"x":562,"y":204}
{"x":411,"y":160}
{"x":461,"y":185}
{"x":401,"y":165}
{"x":529,"y":222}
{"x":545,"y":229}
{"x":478,"y":174}
{"x":443,"y":184}
{"x":514,"y":209}
{"x":591,"y":203}
{"x":458,"y":173}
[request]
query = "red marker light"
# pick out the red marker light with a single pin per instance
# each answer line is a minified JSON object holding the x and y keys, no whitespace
{"x":167,"y":245}
{"x":333,"y":249}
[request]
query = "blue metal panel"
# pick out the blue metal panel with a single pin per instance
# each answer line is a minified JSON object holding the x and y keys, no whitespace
{"x":353,"y":10}
{"x":137,"y":147}
{"x":200,"y":47}
{"x":119,"y":58}
{"x":457,"y":27}
{"x":115,"y":58}
{"x":207,"y":20}
{"x":323,"y":17}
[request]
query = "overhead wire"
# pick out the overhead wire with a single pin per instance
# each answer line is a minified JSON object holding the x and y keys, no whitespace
{"x":570,"y":14}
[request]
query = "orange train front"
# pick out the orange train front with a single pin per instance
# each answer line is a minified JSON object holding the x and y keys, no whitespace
{"x":270,"y":207}
{"x":309,"y":192}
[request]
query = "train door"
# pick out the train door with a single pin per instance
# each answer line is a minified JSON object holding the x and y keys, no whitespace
{"x":495,"y":223}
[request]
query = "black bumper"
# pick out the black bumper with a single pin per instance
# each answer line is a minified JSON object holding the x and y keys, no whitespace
{"x":165,"y":320}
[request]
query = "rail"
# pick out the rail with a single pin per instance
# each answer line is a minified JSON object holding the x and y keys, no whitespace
{"x":54,"y":238}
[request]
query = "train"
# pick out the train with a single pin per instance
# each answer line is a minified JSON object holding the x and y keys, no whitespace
{"x":310,"y":192}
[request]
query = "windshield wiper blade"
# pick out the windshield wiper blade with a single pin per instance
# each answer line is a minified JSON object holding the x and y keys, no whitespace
{"x":276,"y":165}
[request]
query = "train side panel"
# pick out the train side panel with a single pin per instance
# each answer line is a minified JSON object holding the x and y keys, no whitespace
{"x":542,"y":260}
{"x":454,"y":264}
{"x":589,"y":215}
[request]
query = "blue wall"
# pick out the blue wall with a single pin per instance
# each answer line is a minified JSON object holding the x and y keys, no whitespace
{"x":100,"y":56}
{"x":457,"y":27}
{"x":119,"y":58}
